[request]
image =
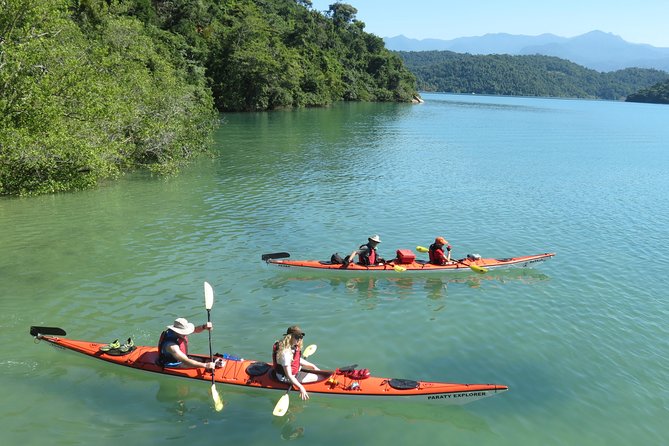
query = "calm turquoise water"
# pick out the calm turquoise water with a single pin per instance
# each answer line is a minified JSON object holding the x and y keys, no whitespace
{"x":582,"y":340}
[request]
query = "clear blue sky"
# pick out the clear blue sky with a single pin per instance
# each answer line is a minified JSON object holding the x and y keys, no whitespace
{"x":636,"y":21}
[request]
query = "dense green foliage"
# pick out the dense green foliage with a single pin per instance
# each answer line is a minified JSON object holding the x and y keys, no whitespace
{"x":657,"y":94}
{"x":523,"y":76}
{"x":82,"y":103}
{"x":89,"y":88}
{"x":280,"y":53}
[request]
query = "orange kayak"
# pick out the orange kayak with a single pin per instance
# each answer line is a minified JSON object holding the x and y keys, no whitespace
{"x":466,"y":264}
{"x":259,"y":374}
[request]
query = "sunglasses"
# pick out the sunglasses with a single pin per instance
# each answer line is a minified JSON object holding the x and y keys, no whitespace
{"x":299,"y":336}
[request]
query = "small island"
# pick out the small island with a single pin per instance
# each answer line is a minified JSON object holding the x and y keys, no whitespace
{"x":657,"y":94}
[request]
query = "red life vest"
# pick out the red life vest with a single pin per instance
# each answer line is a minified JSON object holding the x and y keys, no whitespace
{"x":437,"y":256}
{"x":167,"y":338}
{"x":368,"y":258}
{"x":295,"y":364}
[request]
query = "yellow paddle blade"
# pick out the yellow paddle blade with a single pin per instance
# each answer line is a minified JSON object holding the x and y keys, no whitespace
{"x":309,"y":350}
{"x":218,"y":402}
{"x":281,"y":406}
{"x":399,"y":269}
{"x":478,"y":269}
{"x":422,"y":249}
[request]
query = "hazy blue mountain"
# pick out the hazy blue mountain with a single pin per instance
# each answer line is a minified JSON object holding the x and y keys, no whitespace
{"x":604,"y":52}
{"x":487,"y":44}
{"x":501,"y":43}
{"x":596,"y":50}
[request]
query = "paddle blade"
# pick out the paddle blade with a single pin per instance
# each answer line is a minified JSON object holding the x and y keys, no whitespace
{"x":478,"y":269}
{"x":208,"y":296}
{"x":422,"y":249}
{"x":53,"y":331}
{"x":218,"y":402}
{"x":309,"y":350}
{"x":274,"y":255}
{"x":281,"y":406}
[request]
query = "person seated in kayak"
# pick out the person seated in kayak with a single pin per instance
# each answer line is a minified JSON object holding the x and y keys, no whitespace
{"x":173,"y":345}
{"x":437,"y":255}
{"x":367,"y":254}
{"x":287,"y":360}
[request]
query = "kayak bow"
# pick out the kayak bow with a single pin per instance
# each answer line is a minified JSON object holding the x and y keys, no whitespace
{"x":259,"y":375}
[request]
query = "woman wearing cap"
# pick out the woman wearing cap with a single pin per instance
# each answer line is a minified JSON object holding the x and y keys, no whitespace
{"x":287,"y":360}
{"x":366,"y":253}
{"x":437,"y":256}
{"x":173,"y":345}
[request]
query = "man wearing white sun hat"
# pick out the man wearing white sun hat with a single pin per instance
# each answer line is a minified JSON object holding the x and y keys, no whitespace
{"x":173,"y":345}
{"x":366,"y":253}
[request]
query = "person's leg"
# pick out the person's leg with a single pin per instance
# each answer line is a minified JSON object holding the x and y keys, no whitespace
{"x":305,"y":377}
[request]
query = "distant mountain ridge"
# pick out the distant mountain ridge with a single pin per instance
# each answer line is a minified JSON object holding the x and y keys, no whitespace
{"x":596,"y":50}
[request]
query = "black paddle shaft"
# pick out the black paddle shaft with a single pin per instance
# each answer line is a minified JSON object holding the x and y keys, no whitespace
{"x":211,"y":354}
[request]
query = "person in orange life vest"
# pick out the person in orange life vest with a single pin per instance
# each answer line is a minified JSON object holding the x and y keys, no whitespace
{"x":437,"y":256}
{"x":173,"y":345}
{"x":366,"y":253}
{"x":287,"y":360}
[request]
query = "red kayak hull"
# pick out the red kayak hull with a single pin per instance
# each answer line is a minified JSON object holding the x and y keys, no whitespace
{"x":245,"y":373}
{"x":415,"y":266}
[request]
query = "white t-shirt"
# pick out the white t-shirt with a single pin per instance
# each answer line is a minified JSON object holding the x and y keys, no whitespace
{"x":285,"y":358}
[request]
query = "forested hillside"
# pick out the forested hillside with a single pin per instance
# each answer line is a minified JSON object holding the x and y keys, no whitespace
{"x":523,"y":76}
{"x":657,"y":94}
{"x":281,"y":53}
{"x":90,"y":88}
{"x":81,"y":100}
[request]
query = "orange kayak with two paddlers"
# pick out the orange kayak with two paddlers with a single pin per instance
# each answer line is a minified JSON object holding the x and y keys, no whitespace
{"x":409,"y":264}
{"x":259,"y":374}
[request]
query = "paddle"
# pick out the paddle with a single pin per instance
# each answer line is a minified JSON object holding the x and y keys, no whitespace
{"x":274,"y":255}
{"x":282,"y":405}
{"x":208,"y":303}
{"x":52,"y":331}
{"x":331,"y":372}
{"x":309,"y":350}
{"x":397,"y":268}
{"x":478,"y":269}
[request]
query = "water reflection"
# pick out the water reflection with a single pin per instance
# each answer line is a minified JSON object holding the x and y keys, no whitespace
{"x":287,"y":426}
{"x":433,"y":287}
{"x":175,"y":396}
{"x":455,"y":416}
